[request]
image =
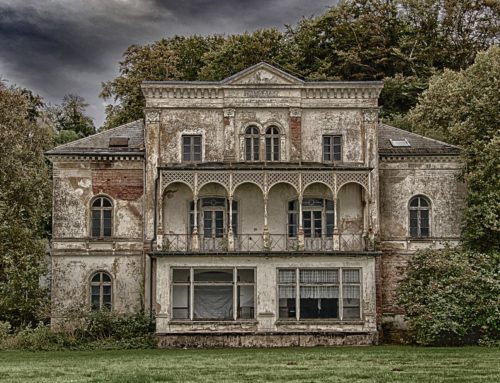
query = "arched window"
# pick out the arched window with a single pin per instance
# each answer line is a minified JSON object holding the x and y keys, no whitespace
{"x":419,"y":217}
{"x":100,"y":291}
{"x":213,"y":216}
{"x":272,"y":144}
{"x":102,"y":212}
{"x":252,"y":143}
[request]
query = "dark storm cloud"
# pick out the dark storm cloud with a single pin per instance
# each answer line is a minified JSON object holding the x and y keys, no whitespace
{"x":56,"y":47}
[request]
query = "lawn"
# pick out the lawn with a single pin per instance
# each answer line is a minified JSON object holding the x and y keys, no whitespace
{"x":343,"y":364}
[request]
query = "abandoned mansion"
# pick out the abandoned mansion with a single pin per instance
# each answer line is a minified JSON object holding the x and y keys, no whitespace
{"x":259,"y":210}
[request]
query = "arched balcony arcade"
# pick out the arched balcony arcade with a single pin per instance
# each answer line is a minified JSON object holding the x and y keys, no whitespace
{"x":263,"y":211}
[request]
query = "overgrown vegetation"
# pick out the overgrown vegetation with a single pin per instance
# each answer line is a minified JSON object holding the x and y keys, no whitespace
{"x":452,"y":297}
{"x":82,"y":331}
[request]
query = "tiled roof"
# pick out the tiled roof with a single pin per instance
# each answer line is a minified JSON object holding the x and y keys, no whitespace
{"x":419,"y":145}
{"x":100,"y":143}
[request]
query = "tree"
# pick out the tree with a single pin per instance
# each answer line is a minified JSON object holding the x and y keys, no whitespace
{"x":451,"y":296}
{"x":463,"y":108}
{"x":70,"y":120}
{"x":24,"y":205}
{"x":175,"y":58}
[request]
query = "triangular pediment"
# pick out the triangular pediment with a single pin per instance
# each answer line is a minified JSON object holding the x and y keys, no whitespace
{"x":262,"y":74}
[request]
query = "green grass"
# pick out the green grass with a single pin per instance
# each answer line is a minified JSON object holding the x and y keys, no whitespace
{"x":343,"y":364}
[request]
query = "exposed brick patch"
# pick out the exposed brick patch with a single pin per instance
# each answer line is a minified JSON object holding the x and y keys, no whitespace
{"x":118,"y":183}
{"x":296,"y":130}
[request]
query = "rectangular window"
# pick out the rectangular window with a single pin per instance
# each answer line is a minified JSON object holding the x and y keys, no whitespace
{"x":332,"y":148}
{"x":319,"y":294}
{"x":216,"y":294}
{"x":191,"y":148}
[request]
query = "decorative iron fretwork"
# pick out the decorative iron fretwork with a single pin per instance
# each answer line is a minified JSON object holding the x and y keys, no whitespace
{"x":357,"y":177}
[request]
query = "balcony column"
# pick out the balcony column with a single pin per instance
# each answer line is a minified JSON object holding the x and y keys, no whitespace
{"x":230,"y":234}
{"x":265,"y":236}
{"x":195,"y":238}
{"x":336,"y":234}
{"x":300,"y":231}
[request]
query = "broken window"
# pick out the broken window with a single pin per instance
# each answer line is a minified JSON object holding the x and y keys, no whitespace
{"x":332,"y":148}
{"x":272,"y":144}
{"x":100,"y":291}
{"x":419,"y":208}
{"x":213,"y":294}
{"x":101,"y":218}
{"x":317,"y":217}
{"x":191,"y":148}
{"x":319,"y":293}
{"x":252,"y":144}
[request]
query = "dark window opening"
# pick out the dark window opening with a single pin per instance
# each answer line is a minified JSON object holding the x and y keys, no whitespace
{"x":101,"y":218}
{"x":100,"y":291}
{"x":419,"y":217}
{"x":332,"y":148}
{"x":191,"y":148}
{"x":252,"y":144}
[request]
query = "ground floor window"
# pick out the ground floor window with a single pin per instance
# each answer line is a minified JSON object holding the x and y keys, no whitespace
{"x":319,"y":293}
{"x":213,"y":294}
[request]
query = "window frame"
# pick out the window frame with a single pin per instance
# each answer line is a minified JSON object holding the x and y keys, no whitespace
{"x":101,"y":284}
{"x":253,"y":138}
{"x":235,"y":284}
{"x":340,"y":284}
{"x":419,"y":210}
{"x":332,"y":145}
{"x":101,"y":210}
{"x":325,"y":211}
{"x":192,"y":153}
{"x":201,"y":209}
{"x":273,"y":135}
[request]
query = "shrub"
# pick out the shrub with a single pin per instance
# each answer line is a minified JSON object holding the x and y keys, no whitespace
{"x":452,"y":297}
{"x":88,"y":331}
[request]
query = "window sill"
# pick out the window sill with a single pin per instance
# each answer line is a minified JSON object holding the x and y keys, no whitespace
{"x":213,"y":321}
{"x":319,"y":321}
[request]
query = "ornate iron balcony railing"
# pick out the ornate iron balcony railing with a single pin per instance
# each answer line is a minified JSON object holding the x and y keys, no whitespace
{"x":182,"y":243}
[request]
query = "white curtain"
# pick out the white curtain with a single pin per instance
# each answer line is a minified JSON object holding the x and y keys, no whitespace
{"x":319,"y":276}
{"x":286,"y":276}
{"x":350,"y":276}
{"x":316,"y":292}
{"x":351,"y":292}
{"x":287,"y":292}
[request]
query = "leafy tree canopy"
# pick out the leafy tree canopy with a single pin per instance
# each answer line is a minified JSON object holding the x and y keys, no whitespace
{"x":463,"y":108}
{"x":24,"y":204}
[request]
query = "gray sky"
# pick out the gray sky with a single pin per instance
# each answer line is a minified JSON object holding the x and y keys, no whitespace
{"x":55,"y":47}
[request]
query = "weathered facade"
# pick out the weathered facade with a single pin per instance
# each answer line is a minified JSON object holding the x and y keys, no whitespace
{"x":259,"y":210}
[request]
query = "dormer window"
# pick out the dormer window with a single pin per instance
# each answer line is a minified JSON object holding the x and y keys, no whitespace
{"x":191,"y":148}
{"x":252,"y":144}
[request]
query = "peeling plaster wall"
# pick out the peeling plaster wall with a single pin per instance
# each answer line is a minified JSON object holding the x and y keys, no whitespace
{"x":347,"y":123}
{"x":438,"y":181}
{"x":435,"y":178}
{"x":266,"y":294}
{"x":75,"y":255}
{"x":205,"y":122}
{"x":71,"y":281}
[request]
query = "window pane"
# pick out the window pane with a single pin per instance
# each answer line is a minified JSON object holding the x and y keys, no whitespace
{"x":268,"y":149}
{"x":180,"y":303}
{"x":94,"y":302}
{"x":106,"y":290}
{"x":210,"y":275}
{"x":350,"y":276}
{"x":106,"y":202}
{"x":207,"y":223}
{"x":96,"y":290}
{"x":351,"y":302}
{"x":319,"y":276}
{"x":287,"y":308}
{"x":424,"y":232}
{"x":248,"y":149}
{"x":106,"y":301}
{"x":245,"y":302}
{"x":256,"y":149}
{"x":329,"y":224}
{"x":246,"y":275}
{"x":180,"y":275}
{"x":319,"y":308}
{"x":219,"y":223}
{"x":96,"y":278}
{"x":105,"y":277}
{"x":423,"y":202}
{"x":414,"y":202}
{"x":286,"y":276}
{"x":213,"y":302}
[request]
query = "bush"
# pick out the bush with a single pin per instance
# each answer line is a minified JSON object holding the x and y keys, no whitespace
{"x":89,"y":331}
{"x":452,"y":297}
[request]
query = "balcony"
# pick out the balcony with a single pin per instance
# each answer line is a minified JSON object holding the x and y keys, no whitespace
{"x":259,"y":243}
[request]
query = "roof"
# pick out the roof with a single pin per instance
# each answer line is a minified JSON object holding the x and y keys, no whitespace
{"x":418,"y":145}
{"x":99,"y":143}
{"x":133,"y":132}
